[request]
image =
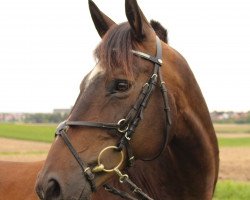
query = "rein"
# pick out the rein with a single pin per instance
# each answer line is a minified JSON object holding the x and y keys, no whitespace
{"x":125,"y":126}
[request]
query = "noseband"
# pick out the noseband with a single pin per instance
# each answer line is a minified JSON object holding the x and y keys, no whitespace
{"x":127,"y":125}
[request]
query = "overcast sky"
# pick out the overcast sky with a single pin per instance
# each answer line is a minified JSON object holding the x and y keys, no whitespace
{"x":46,"y":48}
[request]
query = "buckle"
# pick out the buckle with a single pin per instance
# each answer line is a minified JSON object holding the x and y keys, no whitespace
{"x":120,"y":123}
{"x":61,"y":127}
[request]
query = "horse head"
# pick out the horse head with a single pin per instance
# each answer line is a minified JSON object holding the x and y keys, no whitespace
{"x":122,"y":113}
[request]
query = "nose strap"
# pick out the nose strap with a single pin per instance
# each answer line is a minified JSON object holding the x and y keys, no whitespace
{"x":94,"y":124}
{"x":61,"y":131}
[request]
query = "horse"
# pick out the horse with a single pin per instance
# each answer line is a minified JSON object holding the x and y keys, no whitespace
{"x":17,"y":179}
{"x":121,"y":122}
{"x":140,"y":116}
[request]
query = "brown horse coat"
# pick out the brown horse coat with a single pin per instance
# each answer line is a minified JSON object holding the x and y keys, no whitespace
{"x":186,"y":169}
{"x":17,"y":180}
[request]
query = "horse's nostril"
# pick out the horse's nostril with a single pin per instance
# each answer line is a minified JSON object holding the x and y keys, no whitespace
{"x":53,"y":190}
{"x":40,"y":192}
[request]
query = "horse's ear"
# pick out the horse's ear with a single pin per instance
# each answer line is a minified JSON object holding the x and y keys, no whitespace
{"x":160,"y":31}
{"x":101,"y":21}
{"x":136,"y":19}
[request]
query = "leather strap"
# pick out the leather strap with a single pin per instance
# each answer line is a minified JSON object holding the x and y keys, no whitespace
{"x":136,"y":114}
{"x":61,"y":131}
{"x":93,"y":124}
{"x":115,"y":191}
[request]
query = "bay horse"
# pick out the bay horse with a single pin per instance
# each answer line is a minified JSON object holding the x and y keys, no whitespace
{"x":17,"y":179}
{"x":121,"y":123}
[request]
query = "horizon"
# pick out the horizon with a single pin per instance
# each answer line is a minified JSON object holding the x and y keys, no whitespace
{"x":46,"y":49}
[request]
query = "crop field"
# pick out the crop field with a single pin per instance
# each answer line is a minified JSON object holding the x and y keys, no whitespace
{"x":30,"y":132}
{"x":232,"y":128}
{"x":29,"y":142}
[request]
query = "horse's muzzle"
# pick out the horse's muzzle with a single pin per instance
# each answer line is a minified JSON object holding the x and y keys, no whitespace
{"x":49,"y":191}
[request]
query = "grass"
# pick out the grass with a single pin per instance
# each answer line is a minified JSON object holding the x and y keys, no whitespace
{"x":234,"y":142}
{"x":33,"y":132}
{"x":232,"y":128}
{"x":232,"y":190}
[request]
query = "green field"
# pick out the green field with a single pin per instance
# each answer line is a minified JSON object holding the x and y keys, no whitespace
{"x":233,"y":129}
{"x":34,"y":132}
{"x":232,"y":190}
{"x":234,"y":142}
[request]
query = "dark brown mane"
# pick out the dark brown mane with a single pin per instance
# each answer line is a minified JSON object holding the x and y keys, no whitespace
{"x":115,"y":49}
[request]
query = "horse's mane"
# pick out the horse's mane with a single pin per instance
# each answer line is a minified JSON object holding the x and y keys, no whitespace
{"x":115,"y":49}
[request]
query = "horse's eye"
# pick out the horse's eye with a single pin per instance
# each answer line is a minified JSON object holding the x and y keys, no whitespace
{"x":121,"y":85}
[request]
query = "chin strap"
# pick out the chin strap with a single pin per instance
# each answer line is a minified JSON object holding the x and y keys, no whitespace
{"x":135,"y":190}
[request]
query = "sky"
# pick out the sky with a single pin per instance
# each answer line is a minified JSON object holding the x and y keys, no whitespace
{"x":46,"y":48}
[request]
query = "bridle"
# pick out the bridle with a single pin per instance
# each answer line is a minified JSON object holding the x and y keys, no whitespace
{"x":127,"y":125}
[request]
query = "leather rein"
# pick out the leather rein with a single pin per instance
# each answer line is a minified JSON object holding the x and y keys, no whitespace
{"x":125,"y":126}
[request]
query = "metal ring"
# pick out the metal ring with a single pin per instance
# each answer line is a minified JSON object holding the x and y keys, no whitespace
{"x":154,"y":75}
{"x":123,"y":178}
{"x":118,"y":165}
{"x":120,"y":129}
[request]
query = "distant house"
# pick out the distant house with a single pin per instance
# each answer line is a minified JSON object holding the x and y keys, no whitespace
{"x":230,"y":116}
{"x":11,"y":117}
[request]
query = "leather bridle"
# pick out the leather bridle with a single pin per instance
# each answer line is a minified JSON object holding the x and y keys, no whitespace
{"x":127,"y":125}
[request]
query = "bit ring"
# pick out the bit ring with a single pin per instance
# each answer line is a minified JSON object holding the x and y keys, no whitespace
{"x":117,"y":166}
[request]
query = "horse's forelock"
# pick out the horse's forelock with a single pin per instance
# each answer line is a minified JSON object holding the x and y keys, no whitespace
{"x":115,"y":50}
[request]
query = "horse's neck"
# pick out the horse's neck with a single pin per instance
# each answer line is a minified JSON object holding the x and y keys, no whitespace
{"x":183,"y":171}
{"x":189,"y":161}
